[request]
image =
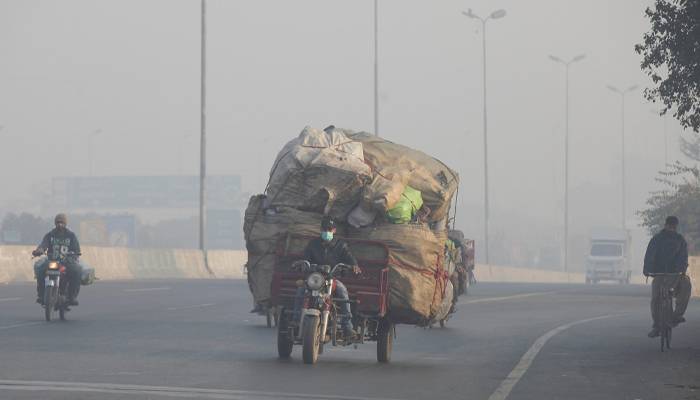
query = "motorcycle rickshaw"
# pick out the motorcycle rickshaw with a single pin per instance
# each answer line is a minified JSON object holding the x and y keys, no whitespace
{"x":317,"y":325}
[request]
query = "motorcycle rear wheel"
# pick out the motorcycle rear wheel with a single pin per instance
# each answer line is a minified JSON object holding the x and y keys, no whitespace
{"x":311,"y":339}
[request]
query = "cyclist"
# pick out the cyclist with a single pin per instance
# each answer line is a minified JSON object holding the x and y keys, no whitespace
{"x":667,"y":252}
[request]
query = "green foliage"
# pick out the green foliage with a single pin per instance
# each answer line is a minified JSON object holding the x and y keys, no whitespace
{"x":680,"y":198}
{"x":671,"y":57}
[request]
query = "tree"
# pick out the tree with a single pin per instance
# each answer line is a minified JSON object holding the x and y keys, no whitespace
{"x":671,"y":57}
{"x":680,"y":198}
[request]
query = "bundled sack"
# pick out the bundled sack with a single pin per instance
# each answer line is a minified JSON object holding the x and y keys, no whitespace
{"x":417,"y":282}
{"x":87,"y":275}
{"x":385,"y":190}
{"x":436,"y":182}
{"x":319,"y":171}
{"x":407,"y":206}
{"x":446,"y":303}
{"x":263,"y":227}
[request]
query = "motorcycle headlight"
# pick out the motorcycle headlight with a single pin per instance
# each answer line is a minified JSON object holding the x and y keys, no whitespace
{"x":53,"y":265}
{"x":315,"y":281}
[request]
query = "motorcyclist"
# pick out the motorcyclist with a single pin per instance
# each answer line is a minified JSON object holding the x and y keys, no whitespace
{"x":59,"y":241}
{"x":667,"y":252}
{"x":329,"y":250}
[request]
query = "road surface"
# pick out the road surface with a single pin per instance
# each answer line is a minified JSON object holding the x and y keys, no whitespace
{"x":195,"y":339}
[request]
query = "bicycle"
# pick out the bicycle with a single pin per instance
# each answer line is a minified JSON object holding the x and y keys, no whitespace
{"x":665,"y":308}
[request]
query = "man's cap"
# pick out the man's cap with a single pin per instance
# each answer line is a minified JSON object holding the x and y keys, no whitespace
{"x":672,"y":220}
{"x":61,"y":218}
{"x":327,"y":223}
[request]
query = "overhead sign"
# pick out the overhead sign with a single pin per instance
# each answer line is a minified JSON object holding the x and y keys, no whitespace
{"x":223,"y":192}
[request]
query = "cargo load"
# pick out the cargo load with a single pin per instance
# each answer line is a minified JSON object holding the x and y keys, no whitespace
{"x":376,"y":190}
{"x":417,"y":280}
{"x":319,"y":171}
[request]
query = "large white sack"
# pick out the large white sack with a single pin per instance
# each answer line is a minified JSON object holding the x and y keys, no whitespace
{"x":319,"y":171}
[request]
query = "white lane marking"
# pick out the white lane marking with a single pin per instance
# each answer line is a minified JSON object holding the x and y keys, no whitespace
{"x":169,"y":391}
{"x":10,"y":299}
{"x":189,"y":307}
{"x":517,"y":373}
{"x":153,"y":289}
{"x":2,"y":328}
{"x":516,"y":296}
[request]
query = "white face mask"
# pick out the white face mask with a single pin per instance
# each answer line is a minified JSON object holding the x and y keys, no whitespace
{"x":327,"y":236}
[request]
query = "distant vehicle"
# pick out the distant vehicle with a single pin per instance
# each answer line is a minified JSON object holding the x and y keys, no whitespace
{"x":608,"y":258}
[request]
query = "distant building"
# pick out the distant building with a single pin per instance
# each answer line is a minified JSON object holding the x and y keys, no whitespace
{"x":119,"y":202}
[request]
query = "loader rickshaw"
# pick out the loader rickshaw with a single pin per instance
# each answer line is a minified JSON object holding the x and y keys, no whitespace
{"x":316,"y":324}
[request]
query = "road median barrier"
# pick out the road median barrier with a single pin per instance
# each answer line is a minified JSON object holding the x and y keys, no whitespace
{"x":117,"y":263}
{"x":694,"y":273}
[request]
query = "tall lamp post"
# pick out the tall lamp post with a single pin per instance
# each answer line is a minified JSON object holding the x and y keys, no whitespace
{"x":566,"y":64}
{"x":494,"y":15}
{"x":376,"y":67}
{"x":622,"y":94}
{"x":91,"y":149}
{"x":203,"y":139}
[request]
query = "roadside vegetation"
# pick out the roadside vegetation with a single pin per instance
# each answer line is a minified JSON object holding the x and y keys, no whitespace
{"x":671,"y":57}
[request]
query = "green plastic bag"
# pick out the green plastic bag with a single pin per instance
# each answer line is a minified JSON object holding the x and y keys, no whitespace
{"x":405,"y":209}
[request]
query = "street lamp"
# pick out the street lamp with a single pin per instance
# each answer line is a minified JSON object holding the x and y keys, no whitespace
{"x":494,"y":15}
{"x":376,"y":67}
{"x":203,"y":137}
{"x":622,"y":94}
{"x":566,"y":155}
{"x":90,"y":149}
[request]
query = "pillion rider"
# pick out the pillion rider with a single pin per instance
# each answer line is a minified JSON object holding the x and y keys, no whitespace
{"x":667,"y":253}
{"x":329,"y":250}
{"x":57,"y":243}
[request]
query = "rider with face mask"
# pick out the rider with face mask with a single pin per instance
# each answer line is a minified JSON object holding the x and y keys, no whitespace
{"x":329,"y":250}
{"x":59,"y":241}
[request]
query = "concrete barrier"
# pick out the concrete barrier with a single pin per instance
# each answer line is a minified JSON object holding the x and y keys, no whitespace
{"x":113,"y":263}
{"x":694,"y":273}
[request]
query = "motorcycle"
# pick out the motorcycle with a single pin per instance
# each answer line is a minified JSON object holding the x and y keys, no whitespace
{"x":56,"y":288}
{"x":317,"y":323}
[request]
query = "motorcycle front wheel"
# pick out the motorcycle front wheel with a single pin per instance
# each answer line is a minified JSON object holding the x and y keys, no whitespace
{"x":50,"y":297}
{"x":285,"y":343}
{"x":311,"y":339}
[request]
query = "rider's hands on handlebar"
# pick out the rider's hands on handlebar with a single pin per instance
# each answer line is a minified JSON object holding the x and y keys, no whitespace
{"x":37,"y":253}
{"x":356,"y":270}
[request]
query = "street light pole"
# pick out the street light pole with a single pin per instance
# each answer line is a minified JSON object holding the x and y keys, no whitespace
{"x":622,"y":94}
{"x":90,"y":149}
{"x":566,"y":156}
{"x":376,"y":67}
{"x":203,"y":138}
{"x":494,"y":15}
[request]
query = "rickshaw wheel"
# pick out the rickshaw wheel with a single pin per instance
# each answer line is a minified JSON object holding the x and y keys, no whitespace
{"x":385,"y":340}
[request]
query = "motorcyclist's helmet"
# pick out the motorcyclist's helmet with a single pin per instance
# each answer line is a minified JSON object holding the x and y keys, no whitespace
{"x":327,"y":223}
{"x":61,"y":218}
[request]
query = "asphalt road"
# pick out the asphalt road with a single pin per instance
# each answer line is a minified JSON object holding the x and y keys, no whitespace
{"x":196,"y":339}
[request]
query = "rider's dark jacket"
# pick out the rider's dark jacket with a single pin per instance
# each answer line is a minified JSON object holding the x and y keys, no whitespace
{"x":667,"y":252}
{"x":330,"y":253}
{"x":60,"y":241}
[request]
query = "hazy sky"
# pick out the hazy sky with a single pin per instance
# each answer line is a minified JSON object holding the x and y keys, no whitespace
{"x":131,"y":69}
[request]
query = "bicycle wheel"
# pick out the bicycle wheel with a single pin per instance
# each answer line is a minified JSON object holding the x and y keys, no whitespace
{"x":668,"y":337}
